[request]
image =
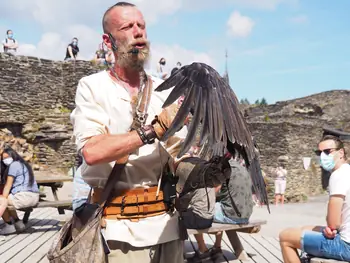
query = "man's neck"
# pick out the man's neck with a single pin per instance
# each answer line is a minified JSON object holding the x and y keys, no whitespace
{"x":339,"y":164}
{"x":129,"y":76}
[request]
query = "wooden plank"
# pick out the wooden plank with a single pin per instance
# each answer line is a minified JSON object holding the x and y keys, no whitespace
{"x":44,"y":260}
{"x":41,"y":252}
{"x":34,"y":242}
{"x":63,"y":203}
{"x":13,"y":239}
{"x":273,"y":242}
{"x":236,"y":245}
{"x":259,"y":248}
{"x":216,"y":227}
{"x":274,"y":251}
{"x":227,"y":251}
{"x":323,"y":260}
{"x":53,"y":179}
{"x":251,"y":251}
{"x":38,"y":230}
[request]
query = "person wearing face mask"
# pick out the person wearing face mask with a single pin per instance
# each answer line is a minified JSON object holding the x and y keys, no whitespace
{"x":10,"y":45}
{"x":333,"y":240}
{"x":72,"y":50}
{"x":20,"y":190}
{"x":161,"y":69}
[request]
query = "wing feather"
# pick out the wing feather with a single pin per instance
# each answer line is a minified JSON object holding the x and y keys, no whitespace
{"x":192,"y":129}
{"x":219,"y":116}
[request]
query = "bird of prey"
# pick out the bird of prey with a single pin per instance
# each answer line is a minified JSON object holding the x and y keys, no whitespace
{"x":217,"y":124}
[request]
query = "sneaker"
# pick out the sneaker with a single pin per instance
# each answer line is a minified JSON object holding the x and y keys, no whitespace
{"x":20,"y":227}
{"x":7,"y":230}
{"x":216,"y":252}
{"x":199,"y":256}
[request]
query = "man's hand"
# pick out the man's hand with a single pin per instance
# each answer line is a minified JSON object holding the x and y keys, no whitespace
{"x":329,"y":233}
{"x":162,"y":122}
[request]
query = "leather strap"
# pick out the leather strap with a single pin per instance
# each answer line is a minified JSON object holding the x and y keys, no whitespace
{"x":133,"y":196}
{"x":135,"y":209}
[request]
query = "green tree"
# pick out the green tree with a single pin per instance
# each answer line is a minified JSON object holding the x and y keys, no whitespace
{"x":263,"y":101}
{"x":257,"y":102}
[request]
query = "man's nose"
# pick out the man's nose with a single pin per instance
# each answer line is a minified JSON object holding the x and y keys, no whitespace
{"x":138,"y":32}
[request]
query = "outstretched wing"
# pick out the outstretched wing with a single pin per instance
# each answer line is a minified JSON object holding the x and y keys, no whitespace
{"x":214,"y":108}
{"x":216,"y":118}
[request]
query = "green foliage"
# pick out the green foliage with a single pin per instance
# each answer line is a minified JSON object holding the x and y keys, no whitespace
{"x":267,"y":118}
{"x":64,"y":110}
{"x":245,"y":101}
{"x":263,"y":101}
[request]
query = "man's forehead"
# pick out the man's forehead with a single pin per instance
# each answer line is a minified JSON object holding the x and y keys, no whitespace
{"x":123,"y":14}
{"x":327,"y":144}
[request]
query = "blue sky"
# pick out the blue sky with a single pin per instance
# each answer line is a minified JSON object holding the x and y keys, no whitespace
{"x":278,"y":49}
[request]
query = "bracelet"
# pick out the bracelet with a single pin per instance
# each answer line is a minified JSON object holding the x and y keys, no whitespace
{"x":147,"y":134}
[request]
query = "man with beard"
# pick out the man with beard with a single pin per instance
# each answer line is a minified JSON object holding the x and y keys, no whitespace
{"x":109,"y":124}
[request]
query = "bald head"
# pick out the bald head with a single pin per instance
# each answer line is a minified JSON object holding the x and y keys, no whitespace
{"x":125,"y":30}
{"x":106,"y":16}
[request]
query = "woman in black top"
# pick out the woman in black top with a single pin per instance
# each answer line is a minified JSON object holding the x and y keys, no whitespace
{"x":72,"y":50}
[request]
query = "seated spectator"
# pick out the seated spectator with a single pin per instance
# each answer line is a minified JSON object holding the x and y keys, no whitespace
{"x":10,"y":44}
{"x":234,"y":206}
{"x":72,"y":50}
{"x":81,"y":190}
{"x":161,"y":69}
{"x":20,"y":190}
{"x":104,"y":56}
{"x":333,"y":240}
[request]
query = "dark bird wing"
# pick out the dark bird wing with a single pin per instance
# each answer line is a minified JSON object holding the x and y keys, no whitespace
{"x":217,"y":124}
{"x":214,"y":107}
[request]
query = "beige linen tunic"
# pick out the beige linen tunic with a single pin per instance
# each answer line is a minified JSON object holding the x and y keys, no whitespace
{"x":103,"y":106}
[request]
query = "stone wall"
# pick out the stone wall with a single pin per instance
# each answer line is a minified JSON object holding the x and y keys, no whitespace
{"x":36,"y":98}
{"x":293,"y":129}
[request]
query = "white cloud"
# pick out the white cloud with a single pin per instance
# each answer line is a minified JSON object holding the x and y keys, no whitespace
{"x":176,"y":53}
{"x":300,"y":19}
{"x":239,"y":25}
{"x":60,"y":21}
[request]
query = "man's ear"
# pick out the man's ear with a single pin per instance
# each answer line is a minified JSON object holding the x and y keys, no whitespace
{"x":107,"y":41}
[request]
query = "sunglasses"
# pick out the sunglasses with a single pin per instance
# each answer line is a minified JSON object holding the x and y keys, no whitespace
{"x":326,"y":151}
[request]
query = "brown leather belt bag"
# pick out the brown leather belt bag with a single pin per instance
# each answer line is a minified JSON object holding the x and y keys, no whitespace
{"x":134,"y":204}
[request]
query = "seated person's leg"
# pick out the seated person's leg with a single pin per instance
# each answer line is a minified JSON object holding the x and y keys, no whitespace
{"x":193,"y":221}
{"x":201,"y":244}
{"x":303,"y":238}
{"x":9,"y":228}
{"x":3,"y":205}
{"x":220,"y":217}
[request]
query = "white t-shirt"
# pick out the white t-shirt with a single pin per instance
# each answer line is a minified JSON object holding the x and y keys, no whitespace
{"x":103,"y":106}
{"x":339,"y":184}
{"x":9,"y":41}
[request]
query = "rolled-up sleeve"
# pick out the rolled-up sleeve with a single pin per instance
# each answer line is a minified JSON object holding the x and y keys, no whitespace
{"x":88,"y":118}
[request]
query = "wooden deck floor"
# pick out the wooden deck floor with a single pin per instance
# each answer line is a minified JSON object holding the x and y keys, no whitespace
{"x":32,"y":245}
{"x":260,"y":249}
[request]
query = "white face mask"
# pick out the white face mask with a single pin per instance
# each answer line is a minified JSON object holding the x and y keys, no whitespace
{"x":7,"y":161}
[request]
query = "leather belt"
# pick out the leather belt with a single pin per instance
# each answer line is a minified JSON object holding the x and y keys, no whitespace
{"x":133,"y":204}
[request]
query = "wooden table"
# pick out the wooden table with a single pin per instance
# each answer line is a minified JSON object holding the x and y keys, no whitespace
{"x":54,"y":182}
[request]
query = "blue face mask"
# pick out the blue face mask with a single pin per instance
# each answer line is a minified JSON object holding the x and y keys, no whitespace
{"x":10,"y":35}
{"x":327,"y":162}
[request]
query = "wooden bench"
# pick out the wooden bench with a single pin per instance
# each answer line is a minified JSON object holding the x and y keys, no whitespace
{"x":231,"y":230}
{"x":67,"y":204}
{"x":323,"y":260}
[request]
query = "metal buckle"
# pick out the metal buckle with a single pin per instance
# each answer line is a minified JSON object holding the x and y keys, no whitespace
{"x":122,"y":205}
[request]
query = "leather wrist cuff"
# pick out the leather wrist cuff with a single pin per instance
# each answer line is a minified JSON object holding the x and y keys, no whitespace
{"x":147,"y":134}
